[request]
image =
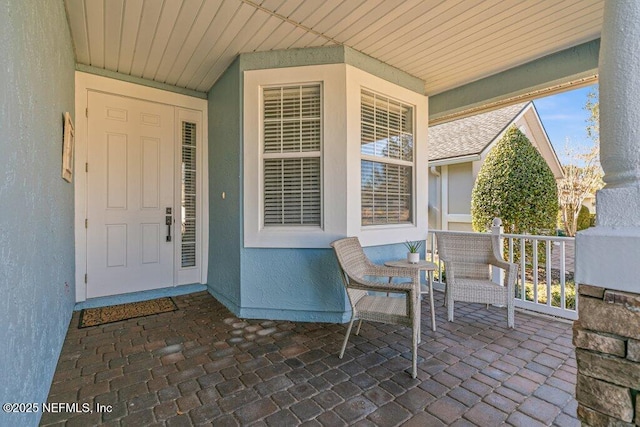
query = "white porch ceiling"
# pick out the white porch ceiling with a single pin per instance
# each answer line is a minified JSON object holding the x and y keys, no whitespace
{"x":446,"y":43}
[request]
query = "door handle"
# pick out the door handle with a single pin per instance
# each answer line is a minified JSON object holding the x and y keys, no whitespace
{"x":168,"y":220}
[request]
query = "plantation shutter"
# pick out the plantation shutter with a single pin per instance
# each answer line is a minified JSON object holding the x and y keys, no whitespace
{"x":188,"y":197}
{"x":292,"y":142}
{"x":387,"y":158}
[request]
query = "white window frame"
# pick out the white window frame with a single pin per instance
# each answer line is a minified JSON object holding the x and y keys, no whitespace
{"x":373,"y":235}
{"x":333,"y":162}
{"x":342,"y":85}
{"x":188,"y":275}
{"x":391,"y":160}
{"x":283,"y":155}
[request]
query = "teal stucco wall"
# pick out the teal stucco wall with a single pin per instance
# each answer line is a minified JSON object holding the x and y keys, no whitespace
{"x":329,"y":55}
{"x":300,"y":284}
{"x":36,"y":205}
{"x":225,"y":176}
{"x":292,"y":284}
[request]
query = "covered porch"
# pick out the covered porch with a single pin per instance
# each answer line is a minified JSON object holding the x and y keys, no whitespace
{"x":225,"y":56}
{"x":203,"y":365}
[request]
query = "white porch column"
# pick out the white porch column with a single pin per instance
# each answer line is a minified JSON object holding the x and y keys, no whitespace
{"x":607,"y":332}
{"x":608,"y":255}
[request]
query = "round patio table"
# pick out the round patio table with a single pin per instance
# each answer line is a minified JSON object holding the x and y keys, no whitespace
{"x":421,"y":265}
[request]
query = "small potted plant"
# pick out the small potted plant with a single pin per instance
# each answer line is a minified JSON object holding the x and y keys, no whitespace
{"x":413,"y":256}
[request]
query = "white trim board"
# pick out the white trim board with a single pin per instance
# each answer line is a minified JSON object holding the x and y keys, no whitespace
{"x":463,"y":218}
{"x":454,"y":160}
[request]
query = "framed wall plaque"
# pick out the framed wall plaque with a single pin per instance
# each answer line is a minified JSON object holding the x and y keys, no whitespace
{"x":67,"y":149}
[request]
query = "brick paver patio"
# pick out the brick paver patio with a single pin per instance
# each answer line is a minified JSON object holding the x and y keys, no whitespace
{"x":202,"y":365}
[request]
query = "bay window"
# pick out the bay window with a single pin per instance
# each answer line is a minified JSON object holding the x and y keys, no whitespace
{"x":386,"y":160}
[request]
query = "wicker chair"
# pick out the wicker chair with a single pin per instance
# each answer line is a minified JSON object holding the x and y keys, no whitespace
{"x":356,"y":268}
{"x":467,"y":259}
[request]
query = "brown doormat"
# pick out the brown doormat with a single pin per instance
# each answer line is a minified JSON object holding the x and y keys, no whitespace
{"x":116,"y":313}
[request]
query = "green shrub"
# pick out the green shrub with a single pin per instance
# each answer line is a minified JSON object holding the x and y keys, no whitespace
{"x":584,"y":218}
{"x":515,"y":184}
{"x":560,"y":222}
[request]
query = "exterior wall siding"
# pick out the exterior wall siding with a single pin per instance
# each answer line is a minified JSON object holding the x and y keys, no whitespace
{"x":225,"y":176}
{"x":330,"y":55}
{"x":295,"y":284}
{"x":36,"y":220}
{"x":278,"y":283}
{"x":435,"y":199}
{"x":300,"y":284}
{"x":461,"y":181}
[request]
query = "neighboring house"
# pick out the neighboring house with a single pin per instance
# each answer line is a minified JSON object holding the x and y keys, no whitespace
{"x":457,"y":150}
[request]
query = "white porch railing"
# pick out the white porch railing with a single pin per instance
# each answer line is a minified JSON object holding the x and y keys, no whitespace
{"x":545,"y":278}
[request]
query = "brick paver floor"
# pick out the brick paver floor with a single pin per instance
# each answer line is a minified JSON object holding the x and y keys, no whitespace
{"x":202,"y":365}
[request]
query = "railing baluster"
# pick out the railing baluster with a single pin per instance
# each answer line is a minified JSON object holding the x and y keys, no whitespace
{"x":522,"y":301}
{"x":534,"y":248}
{"x":547,"y":266}
{"x":510,"y":258}
{"x":431,"y":244}
{"x":510,"y":249}
{"x":437,"y":275}
{"x":440,"y":264}
{"x":563,"y":302}
{"x":523,"y":276}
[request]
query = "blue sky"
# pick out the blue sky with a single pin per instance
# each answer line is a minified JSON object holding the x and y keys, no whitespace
{"x":564,"y":117}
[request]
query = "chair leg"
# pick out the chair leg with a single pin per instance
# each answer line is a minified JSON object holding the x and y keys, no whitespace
{"x":450,"y":308}
{"x":510,"y":315}
{"x":416,"y":306}
{"x":414,"y":350}
{"x":433,"y":312}
{"x":431,"y":304}
{"x":346,"y":338}
{"x":359,"y":325}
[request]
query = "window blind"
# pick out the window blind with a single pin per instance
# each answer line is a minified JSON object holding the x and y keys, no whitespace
{"x":292,"y":142}
{"x":386,"y":128}
{"x":188,"y":199}
{"x":387,"y":158}
{"x":386,"y":193}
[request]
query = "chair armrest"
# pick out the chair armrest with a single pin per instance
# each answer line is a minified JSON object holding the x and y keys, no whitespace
{"x":504,"y":264}
{"x":510,"y":276}
{"x":384,"y":271}
{"x":510,"y":273}
{"x":368,"y":285}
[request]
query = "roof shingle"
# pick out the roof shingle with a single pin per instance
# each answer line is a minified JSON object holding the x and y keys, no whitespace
{"x":470,"y":135}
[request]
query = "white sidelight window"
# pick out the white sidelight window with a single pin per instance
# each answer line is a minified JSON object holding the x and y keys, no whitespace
{"x":292,"y":155}
{"x":386,"y":160}
{"x":188,"y":195}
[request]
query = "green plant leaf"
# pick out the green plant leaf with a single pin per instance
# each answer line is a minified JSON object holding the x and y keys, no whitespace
{"x":516,"y":184}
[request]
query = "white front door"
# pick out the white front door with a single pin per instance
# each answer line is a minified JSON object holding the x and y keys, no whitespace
{"x":130,"y":195}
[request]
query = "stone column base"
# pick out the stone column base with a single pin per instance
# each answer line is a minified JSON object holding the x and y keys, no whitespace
{"x":607,"y":340}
